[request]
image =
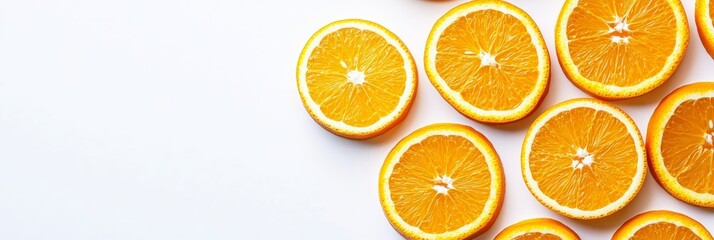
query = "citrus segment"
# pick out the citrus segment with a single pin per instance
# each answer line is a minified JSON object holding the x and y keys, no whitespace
{"x":356,"y":78}
{"x":661,"y":224}
{"x":442,"y":181}
{"x":583,"y":158}
{"x":620,"y":49}
{"x":537,"y":229}
{"x":488,"y":60}
{"x":680,"y":143}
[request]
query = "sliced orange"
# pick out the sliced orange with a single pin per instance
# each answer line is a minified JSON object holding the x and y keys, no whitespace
{"x":662,"y":225}
{"x":443,"y":181}
{"x":537,"y":229}
{"x":488,"y":59}
{"x":680,"y":145}
{"x":584,"y":158}
{"x":703,"y":18}
{"x":620,"y":49}
{"x":356,"y":78}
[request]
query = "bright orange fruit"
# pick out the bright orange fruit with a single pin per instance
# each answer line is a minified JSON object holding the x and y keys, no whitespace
{"x":356,"y":78}
{"x":443,"y":181}
{"x":488,"y":59}
{"x":620,"y":49}
{"x":662,"y":225}
{"x":680,"y":143}
{"x":537,"y":229}
{"x":703,"y":17}
{"x":584,"y":158}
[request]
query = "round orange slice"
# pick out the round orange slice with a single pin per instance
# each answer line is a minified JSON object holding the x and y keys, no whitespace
{"x":664,"y":225}
{"x":537,"y":229}
{"x":703,"y":18}
{"x":488,"y":59}
{"x":680,"y":145}
{"x":620,"y":49}
{"x":584,"y":158}
{"x":443,"y":181}
{"x":356,"y":78}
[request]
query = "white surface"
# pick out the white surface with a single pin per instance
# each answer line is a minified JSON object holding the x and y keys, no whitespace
{"x":180,"y":119}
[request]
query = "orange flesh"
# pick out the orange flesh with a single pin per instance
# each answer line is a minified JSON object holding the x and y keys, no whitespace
{"x":651,"y":38}
{"x":554,"y":151}
{"x":355,"y":50}
{"x":413,"y":180}
{"x":664,"y":230}
{"x":686,"y":153}
{"x":502,"y":36}
{"x":537,"y":236}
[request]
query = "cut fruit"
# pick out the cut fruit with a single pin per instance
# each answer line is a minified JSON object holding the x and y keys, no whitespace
{"x":620,"y":49}
{"x":703,"y":18}
{"x":443,"y":181}
{"x":356,"y":78}
{"x":489,"y":61}
{"x":537,"y":229}
{"x":584,"y":159}
{"x":664,"y":225}
{"x":680,"y":145}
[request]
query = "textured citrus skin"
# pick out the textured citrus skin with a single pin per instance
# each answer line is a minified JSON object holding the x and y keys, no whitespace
{"x":655,"y":132}
{"x":629,"y":228}
{"x":611,"y":92}
{"x":616,"y":205}
{"x":541,"y":226}
{"x":702,"y":17}
{"x":347,"y":131}
{"x":538,"y":93}
{"x":497,"y":189}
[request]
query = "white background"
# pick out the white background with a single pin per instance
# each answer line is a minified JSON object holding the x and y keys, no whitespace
{"x":180,"y":119}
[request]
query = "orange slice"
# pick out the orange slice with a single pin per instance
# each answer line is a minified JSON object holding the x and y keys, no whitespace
{"x":443,"y":181}
{"x":664,"y":225}
{"x":620,"y":49}
{"x":584,"y":159}
{"x":537,"y":229}
{"x":680,"y":145}
{"x":703,"y":18}
{"x":356,"y":78}
{"x":489,"y":61}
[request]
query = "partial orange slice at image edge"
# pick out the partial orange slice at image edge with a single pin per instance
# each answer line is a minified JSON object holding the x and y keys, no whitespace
{"x":616,"y":50}
{"x":443,"y":181}
{"x":356,"y":78}
{"x":537,"y":229}
{"x":680,"y":143}
{"x":703,"y":18}
{"x":662,"y":224}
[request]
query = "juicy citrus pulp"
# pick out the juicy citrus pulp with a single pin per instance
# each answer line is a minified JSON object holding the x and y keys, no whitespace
{"x":356,"y":78}
{"x":488,"y":59}
{"x":583,"y":158}
{"x":664,"y":225}
{"x":537,"y":229}
{"x":442,"y":181}
{"x":680,"y":143}
{"x":620,"y":49}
